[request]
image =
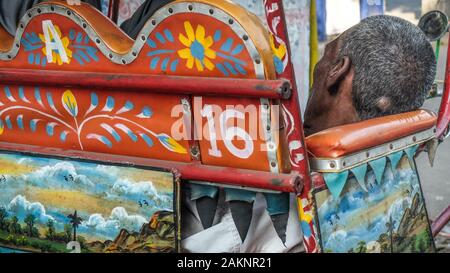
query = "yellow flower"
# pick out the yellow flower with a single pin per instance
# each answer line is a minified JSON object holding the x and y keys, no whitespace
{"x":198,"y":48}
{"x":55,"y":54}
{"x":279,"y":52}
{"x":278,"y":55}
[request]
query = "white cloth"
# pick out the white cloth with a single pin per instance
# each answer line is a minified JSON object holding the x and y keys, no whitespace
{"x":223,"y":237}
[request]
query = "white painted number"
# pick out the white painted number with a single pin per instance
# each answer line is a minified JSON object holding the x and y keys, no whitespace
{"x":208,"y":113}
{"x":228,"y":134}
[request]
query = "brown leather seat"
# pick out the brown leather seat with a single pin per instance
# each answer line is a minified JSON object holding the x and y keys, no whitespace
{"x":347,"y":139}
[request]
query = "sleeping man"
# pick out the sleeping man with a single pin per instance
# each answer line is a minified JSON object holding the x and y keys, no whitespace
{"x":382,"y":66}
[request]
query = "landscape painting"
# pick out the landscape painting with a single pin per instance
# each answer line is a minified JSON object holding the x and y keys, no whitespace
{"x":389,"y":217}
{"x":53,"y":205}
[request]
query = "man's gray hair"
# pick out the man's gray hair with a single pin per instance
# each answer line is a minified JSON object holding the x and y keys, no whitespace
{"x":394,"y":65}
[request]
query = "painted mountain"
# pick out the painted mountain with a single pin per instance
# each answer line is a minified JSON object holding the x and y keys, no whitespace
{"x":390,"y":217}
{"x":51,"y":205}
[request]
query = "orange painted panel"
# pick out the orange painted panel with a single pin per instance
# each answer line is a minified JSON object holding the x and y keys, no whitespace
{"x":232,"y":134}
{"x":185,"y":44}
{"x":123,"y":123}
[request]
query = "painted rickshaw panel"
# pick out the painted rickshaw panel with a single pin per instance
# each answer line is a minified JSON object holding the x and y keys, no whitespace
{"x":173,"y":47}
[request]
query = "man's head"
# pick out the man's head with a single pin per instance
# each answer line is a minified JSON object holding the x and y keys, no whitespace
{"x":384,"y":65}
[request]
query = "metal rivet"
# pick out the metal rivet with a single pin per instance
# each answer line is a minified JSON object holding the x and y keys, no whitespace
{"x":52,"y":8}
{"x":110,"y":55}
{"x":258,"y":61}
{"x":143,"y":38}
{"x":69,"y":12}
{"x":268,"y":128}
{"x":9,"y":56}
{"x":434,"y":130}
{"x":245,"y":37}
{"x":211,"y":11}
{"x":21,"y":25}
{"x":367,"y":154}
{"x":414,"y":138}
{"x":170,"y":10}
{"x":230,"y":21}
{"x":39,"y":10}
{"x":123,"y":61}
{"x":97,"y":41}
{"x":153,"y":22}
{"x":332,"y":164}
{"x":343,"y":163}
{"x":17,"y":45}
{"x":391,"y":146}
{"x":134,"y":53}
{"x":84,"y":25}
{"x":190,"y":7}
{"x":29,"y":14}
{"x":273,"y":164}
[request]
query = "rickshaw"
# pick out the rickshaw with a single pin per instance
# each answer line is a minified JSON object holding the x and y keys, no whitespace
{"x":87,"y":114}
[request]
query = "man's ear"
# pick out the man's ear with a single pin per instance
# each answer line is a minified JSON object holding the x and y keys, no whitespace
{"x":337,"y":73}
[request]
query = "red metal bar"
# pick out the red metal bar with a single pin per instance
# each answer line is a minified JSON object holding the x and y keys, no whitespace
{"x":444,"y":110}
{"x":188,"y":171}
{"x":276,"y":21}
{"x":440,"y":222}
{"x":197,"y":86}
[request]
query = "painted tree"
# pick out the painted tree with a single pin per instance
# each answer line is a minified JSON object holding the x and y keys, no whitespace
{"x":3,"y":216}
{"x":390,"y":228}
{"x":14,"y":226}
{"x":75,"y":221}
{"x":361,"y":248}
{"x":50,"y":229}
{"x":30,"y":220}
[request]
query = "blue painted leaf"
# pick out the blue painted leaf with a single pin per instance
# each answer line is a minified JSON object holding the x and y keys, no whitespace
{"x":51,"y":128}
{"x":63,"y":136}
{"x":147,"y":140}
{"x":100,"y":138}
{"x":109,"y":104}
{"x":227,"y":45}
{"x":146,"y":113}
{"x":37,"y":96}
{"x":8,"y":94}
{"x":8,"y":122}
{"x":20,"y":121}
{"x":238,"y":49}
{"x":33,"y":124}
{"x":94,"y":103}
{"x":127,"y":131}
{"x":111,"y":131}
{"x":127,"y":107}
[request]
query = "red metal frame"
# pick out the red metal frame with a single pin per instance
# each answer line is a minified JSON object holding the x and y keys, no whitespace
{"x":188,"y":171}
{"x":276,"y":20}
{"x":440,"y":221}
{"x":444,"y":111}
{"x":197,"y":86}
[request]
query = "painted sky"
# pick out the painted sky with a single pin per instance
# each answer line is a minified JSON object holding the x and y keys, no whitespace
{"x":356,"y":207}
{"x":108,"y":198}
